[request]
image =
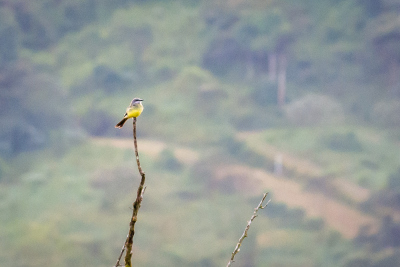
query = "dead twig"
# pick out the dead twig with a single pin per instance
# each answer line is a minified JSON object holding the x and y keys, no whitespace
{"x":136,"y":206}
{"x":244,"y":235}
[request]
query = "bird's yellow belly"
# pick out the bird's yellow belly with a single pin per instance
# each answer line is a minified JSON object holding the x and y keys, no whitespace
{"x":134,"y":112}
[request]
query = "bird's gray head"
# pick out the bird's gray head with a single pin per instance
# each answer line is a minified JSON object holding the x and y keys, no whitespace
{"x":136,"y":101}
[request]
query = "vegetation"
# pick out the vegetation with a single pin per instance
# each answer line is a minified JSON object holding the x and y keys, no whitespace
{"x":217,"y":116}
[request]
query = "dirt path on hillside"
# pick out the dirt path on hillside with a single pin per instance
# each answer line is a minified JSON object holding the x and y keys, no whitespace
{"x":303,"y":166}
{"x":340,"y":217}
{"x":336,"y":215}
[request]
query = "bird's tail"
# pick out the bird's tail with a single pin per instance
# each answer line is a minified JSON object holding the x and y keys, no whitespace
{"x":121,"y":123}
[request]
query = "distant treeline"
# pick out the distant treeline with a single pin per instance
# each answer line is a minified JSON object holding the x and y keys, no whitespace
{"x":333,"y":56}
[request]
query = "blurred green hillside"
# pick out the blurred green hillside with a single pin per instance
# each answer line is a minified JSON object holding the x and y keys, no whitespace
{"x":299,"y":98}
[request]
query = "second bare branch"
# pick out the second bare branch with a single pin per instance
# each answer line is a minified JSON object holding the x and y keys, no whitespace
{"x":244,"y":235}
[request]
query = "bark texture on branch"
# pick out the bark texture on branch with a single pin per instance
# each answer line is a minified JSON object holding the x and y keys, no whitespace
{"x":136,"y":206}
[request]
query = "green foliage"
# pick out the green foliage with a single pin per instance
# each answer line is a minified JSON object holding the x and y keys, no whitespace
{"x":263,"y":29}
{"x":377,"y":150}
{"x":342,"y":142}
{"x":192,"y":78}
{"x":168,"y":161}
{"x":97,"y":121}
{"x":314,"y":110}
{"x":32,"y":106}
{"x":240,"y":151}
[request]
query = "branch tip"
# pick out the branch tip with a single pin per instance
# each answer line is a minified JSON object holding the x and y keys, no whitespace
{"x":244,"y":235}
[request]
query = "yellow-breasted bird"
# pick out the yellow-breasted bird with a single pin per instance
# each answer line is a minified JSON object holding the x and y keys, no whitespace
{"x":133,"y":111}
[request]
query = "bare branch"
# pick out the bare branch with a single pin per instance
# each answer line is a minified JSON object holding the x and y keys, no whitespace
{"x":244,"y":235}
{"x":136,"y":206}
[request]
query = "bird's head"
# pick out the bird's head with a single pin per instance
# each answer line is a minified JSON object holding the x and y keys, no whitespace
{"x":136,"y":101}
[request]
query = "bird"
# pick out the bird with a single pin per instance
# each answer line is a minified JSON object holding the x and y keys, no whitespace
{"x":134,"y":110}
